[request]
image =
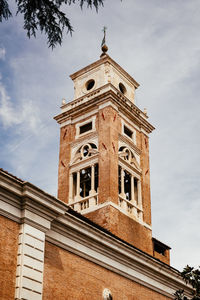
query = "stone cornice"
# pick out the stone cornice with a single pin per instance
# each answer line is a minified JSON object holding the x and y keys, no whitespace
{"x":101,"y":61}
{"x":106,"y":93}
{"x":24,"y":202}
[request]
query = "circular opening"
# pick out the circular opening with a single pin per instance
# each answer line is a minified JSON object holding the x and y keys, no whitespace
{"x":122,"y":88}
{"x":85,"y":150}
{"x":127,"y":157}
{"x":89,"y":84}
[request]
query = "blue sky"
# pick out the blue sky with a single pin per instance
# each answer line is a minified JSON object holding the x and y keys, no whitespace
{"x":155,"y":41}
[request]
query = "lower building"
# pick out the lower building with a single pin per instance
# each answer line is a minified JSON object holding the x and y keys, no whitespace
{"x":49,"y":251}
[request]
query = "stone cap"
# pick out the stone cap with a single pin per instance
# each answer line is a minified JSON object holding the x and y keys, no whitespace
{"x":105,"y":59}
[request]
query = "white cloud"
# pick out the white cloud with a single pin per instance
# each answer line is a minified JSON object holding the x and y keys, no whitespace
{"x":26,"y":114}
{"x":2,"y":53}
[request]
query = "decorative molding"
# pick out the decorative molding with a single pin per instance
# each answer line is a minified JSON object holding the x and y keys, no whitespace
{"x":104,"y":94}
{"x":126,"y":141}
{"x":30,"y":263}
{"x":78,"y":125}
{"x":106,"y":104}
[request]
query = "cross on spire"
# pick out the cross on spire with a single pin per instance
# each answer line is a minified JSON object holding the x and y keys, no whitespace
{"x":104,"y":36}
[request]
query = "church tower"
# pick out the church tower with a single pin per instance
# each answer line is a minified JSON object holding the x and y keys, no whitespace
{"x":104,"y":154}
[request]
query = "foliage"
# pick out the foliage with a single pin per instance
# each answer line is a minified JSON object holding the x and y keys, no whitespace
{"x":191,"y":276}
{"x":46,"y":15}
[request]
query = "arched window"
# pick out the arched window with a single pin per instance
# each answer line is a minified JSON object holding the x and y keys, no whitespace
{"x":129,"y":183}
{"x":83,"y":182}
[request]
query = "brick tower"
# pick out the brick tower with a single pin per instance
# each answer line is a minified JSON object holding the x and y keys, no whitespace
{"x":104,"y":154}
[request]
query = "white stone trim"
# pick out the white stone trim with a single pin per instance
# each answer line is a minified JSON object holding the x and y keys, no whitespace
{"x":108,"y":103}
{"x":68,"y":122}
{"x":85,"y":115}
{"x":131,"y":128}
{"x":75,"y":147}
{"x":122,"y":115}
{"x":84,"y":163}
{"x":144,"y":131}
{"x":30,"y":263}
{"x":78,"y":125}
{"x":122,"y":163}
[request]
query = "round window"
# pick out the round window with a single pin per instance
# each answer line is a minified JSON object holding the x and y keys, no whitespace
{"x":122,"y":88}
{"x":85,"y":150}
{"x":89,"y":84}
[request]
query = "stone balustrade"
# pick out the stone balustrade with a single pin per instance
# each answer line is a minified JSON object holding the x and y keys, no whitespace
{"x":131,"y":208}
{"x":85,"y":203}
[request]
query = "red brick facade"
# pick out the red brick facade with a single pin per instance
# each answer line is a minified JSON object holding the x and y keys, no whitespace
{"x":69,"y":277}
{"x":9,"y":233}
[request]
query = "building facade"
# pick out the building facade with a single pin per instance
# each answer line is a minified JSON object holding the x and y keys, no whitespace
{"x":95,"y":240}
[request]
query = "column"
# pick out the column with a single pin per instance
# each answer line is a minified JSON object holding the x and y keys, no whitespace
{"x":78,"y":185}
{"x":123,"y":203}
{"x":132,"y":189}
{"x":92,"y":201}
{"x":70,"y":188}
{"x":140,"y":200}
{"x":77,"y":197}
{"x":92,"y":179}
{"x":122,"y":182}
{"x":133,"y":196}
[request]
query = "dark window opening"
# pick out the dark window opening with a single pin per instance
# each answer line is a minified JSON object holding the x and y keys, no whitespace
{"x":96,"y":178}
{"x":128,"y":132}
{"x":127,"y":185}
{"x":86,"y":151}
{"x":90,"y":84}
{"x":85,"y":182}
{"x":122,"y":88}
{"x":74,"y":184}
{"x":136,"y":190}
{"x":159,"y":249}
{"x":119,"y":179}
{"x":86,"y":127}
{"x":93,"y":146}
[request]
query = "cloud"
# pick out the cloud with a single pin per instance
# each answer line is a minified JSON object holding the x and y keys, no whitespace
{"x":2,"y":53}
{"x":25,"y":115}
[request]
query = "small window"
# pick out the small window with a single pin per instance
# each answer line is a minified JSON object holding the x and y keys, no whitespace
{"x":122,"y":88}
{"x":90,"y":84}
{"x":159,"y":249}
{"x":86,"y":127}
{"x":128,"y":132}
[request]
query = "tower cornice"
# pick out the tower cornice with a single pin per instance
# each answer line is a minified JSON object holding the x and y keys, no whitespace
{"x":99,"y":96}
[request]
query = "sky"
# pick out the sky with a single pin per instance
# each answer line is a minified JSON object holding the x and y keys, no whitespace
{"x":158,"y":43}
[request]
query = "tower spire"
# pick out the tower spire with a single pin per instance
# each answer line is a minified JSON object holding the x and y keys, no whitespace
{"x":104,"y":47}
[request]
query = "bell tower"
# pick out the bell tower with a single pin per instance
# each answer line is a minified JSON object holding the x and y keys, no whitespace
{"x":104,"y":153}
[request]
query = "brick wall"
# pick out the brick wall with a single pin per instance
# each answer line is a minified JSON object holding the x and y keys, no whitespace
{"x":70,"y":277}
{"x":9,"y":232}
{"x":124,"y":227}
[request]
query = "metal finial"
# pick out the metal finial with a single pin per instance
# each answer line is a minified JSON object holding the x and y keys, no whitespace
{"x":104,"y":36}
{"x":104,"y":48}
